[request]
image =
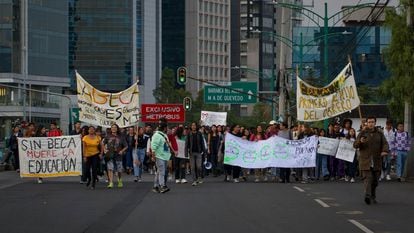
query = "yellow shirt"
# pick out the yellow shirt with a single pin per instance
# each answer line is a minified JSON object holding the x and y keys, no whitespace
{"x":92,"y":145}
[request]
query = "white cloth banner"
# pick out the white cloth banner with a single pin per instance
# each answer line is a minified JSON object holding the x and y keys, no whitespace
{"x":213,"y":118}
{"x":104,"y":109}
{"x":272,"y":152}
{"x":346,"y":150}
{"x":315,"y":104}
{"x":181,"y":149}
{"x":50,"y":156}
{"x":328,"y":146}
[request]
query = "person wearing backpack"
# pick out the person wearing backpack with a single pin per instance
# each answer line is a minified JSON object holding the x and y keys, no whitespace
{"x":400,"y":147}
{"x":160,"y":147}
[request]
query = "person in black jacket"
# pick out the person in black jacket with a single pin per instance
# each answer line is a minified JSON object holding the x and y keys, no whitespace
{"x":194,"y":148}
{"x":13,"y":146}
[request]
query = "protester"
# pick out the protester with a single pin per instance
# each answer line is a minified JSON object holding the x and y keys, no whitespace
{"x":213,"y":144}
{"x":400,"y":147}
{"x":389,"y":133}
{"x":130,"y":138}
{"x":92,"y":148}
{"x":305,"y":132}
{"x":284,"y":132}
{"x":13,"y":146}
{"x":259,"y":173}
{"x":139,"y":155}
{"x":372,"y":146}
{"x":337,"y":166}
{"x":115,"y":147}
{"x":235,"y":170}
{"x":30,"y":131}
{"x":54,"y":131}
{"x":351,"y":166}
{"x":77,"y":130}
{"x":194,"y":147}
{"x":179,"y":163}
{"x":160,"y":154}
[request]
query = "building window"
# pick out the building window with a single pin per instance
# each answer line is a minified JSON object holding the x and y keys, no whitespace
{"x":200,"y":18}
{"x":255,"y":22}
{"x":200,"y":31}
{"x":200,"y":70}
{"x":205,"y":58}
{"x":206,"y":45}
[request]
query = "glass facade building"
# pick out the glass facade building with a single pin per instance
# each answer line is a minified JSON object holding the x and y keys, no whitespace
{"x":101,"y":42}
{"x":10,"y":57}
{"x":364,"y":44}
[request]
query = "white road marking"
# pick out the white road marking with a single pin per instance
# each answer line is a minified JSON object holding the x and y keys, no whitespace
{"x":299,"y":189}
{"x":360,"y":226}
{"x":323,"y":204}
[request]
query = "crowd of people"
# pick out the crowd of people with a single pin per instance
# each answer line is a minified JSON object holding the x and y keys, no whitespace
{"x":107,"y":154}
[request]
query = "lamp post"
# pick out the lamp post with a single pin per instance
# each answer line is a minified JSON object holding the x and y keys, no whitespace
{"x":261,"y":75}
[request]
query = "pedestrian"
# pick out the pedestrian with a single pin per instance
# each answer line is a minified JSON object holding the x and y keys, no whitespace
{"x":54,"y":131}
{"x":322,"y":161}
{"x":235,"y":170}
{"x":401,"y":146}
{"x":115,"y":147}
{"x":372,"y":146}
{"x":13,"y":146}
{"x":389,"y":133}
{"x":213,"y":144}
{"x":305,"y":132}
{"x":259,"y":173}
{"x":130,"y":138}
{"x":179,"y":163}
{"x":92,"y":152}
{"x":77,"y":129}
{"x":40,"y":132}
{"x":30,"y":131}
{"x":285,"y":133}
{"x":139,"y":154}
{"x":337,"y":166}
{"x":351,"y":166}
{"x":194,"y":148}
{"x":160,"y":153}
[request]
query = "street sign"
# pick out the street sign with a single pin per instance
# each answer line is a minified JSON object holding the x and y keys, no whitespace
{"x":74,"y":115}
{"x":221,"y":95}
{"x":174,"y":113}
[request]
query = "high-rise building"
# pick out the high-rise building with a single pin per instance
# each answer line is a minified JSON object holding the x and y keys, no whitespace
{"x":33,"y":56}
{"x":115,"y":43}
{"x":207,"y":42}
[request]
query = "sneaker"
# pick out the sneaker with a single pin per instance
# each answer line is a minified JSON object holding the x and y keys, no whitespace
{"x":346,"y":179}
{"x":40,"y":181}
{"x":367,"y":200}
{"x":151,"y":172}
{"x":256,"y":180}
{"x":156,"y":190}
{"x":228,"y":178}
{"x":399,"y":179}
{"x":110,"y":185}
{"x":120,"y":184}
{"x":304,"y":182}
{"x":200,"y":181}
{"x":170,"y":178}
{"x":236,"y":180}
{"x":136,"y":179}
{"x":82,"y":182}
{"x":183,"y":181}
{"x":194,"y":183}
{"x":177,"y":181}
{"x":164,"y":189}
{"x":388,"y":177}
{"x":352,"y":180}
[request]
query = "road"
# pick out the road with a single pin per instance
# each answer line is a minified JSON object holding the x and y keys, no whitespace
{"x":63,"y":205}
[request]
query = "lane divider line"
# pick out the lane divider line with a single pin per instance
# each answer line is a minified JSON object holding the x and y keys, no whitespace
{"x":299,"y":189}
{"x":360,"y":226}
{"x":323,"y":204}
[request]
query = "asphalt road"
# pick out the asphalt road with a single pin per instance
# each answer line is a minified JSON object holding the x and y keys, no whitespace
{"x":63,"y":205}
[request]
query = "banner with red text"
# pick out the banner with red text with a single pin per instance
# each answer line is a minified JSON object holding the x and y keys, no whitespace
{"x":174,"y":113}
{"x":50,"y":156}
{"x":104,"y":109}
{"x":315,"y":104}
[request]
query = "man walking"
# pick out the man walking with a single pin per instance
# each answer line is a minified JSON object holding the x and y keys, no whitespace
{"x":160,"y":154}
{"x":372,"y":147}
{"x":401,"y":146}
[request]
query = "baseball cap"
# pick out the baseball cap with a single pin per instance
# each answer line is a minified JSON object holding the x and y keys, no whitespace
{"x":272,"y":122}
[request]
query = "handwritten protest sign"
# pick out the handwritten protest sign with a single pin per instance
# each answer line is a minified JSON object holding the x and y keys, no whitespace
{"x":181,"y":149}
{"x":50,"y":157}
{"x":272,"y":152}
{"x":346,"y":150}
{"x":104,"y":109}
{"x":213,"y":118}
{"x":328,"y":146}
{"x":315,"y":104}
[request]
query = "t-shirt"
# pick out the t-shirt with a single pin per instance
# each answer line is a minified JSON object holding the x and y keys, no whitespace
{"x":92,"y":145}
{"x":159,"y":145}
{"x":114,"y":144}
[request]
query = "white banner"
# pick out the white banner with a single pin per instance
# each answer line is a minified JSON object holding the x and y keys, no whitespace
{"x":104,"y":109}
{"x":346,"y":150}
{"x":272,"y":152}
{"x":51,"y":156}
{"x":328,"y":146}
{"x":315,"y":104}
{"x":181,"y":149}
{"x":213,"y":118}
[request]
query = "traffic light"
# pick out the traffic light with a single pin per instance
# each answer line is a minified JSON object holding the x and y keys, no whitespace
{"x":181,"y":75}
{"x":187,"y":103}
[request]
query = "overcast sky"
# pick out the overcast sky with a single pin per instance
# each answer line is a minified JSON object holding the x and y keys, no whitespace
{"x":335,"y":6}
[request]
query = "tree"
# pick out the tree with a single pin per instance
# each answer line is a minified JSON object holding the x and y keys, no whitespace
{"x":399,"y":57}
{"x":167,"y":91}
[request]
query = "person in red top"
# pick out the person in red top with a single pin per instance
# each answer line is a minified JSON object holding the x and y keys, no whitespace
{"x":54,"y":131}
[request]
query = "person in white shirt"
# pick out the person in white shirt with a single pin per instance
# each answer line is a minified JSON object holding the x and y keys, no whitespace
{"x":389,"y":133}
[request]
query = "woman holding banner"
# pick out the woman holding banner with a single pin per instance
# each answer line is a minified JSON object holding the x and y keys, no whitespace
{"x":91,"y":155}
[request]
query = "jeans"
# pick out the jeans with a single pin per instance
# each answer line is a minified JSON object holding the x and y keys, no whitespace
{"x":128,"y":158}
{"x":138,"y":161}
{"x":401,"y":159}
{"x":159,"y":178}
{"x":325,"y":170}
{"x":91,"y":163}
{"x":195,"y":160}
{"x":386,"y":164}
